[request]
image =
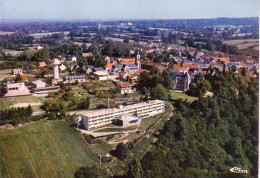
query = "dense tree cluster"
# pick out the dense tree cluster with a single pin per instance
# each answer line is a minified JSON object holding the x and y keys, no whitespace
{"x":209,"y":136}
{"x":91,"y":171}
{"x":16,"y":115}
{"x":155,"y":83}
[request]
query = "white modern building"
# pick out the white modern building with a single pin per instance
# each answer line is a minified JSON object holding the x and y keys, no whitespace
{"x":128,"y":120}
{"x":102,"y":75}
{"x":97,"y":118}
{"x":16,"y":89}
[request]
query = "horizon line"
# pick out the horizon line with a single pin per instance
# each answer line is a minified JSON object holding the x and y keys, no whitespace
{"x":114,"y":19}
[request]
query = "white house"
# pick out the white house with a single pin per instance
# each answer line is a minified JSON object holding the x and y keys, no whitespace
{"x":101,"y":75}
{"x":62,"y":67}
{"x":17,"y":71}
{"x":72,"y":58}
{"x":124,"y":87}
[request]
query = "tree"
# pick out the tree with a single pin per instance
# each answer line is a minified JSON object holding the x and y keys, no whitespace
{"x":18,"y":78}
{"x":167,"y":83}
{"x":84,"y":103}
{"x":29,"y":110}
{"x":135,"y":169}
{"x":3,"y":91}
{"x":159,"y":92}
{"x":48,"y":81}
{"x":122,"y":151}
{"x":91,"y":171}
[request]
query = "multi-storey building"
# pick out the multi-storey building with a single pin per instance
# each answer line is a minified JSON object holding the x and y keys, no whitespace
{"x":16,"y":89}
{"x":97,"y":118}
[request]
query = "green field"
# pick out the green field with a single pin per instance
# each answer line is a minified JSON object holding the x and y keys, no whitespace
{"x":6,"y":33}
{"x":147,"y":122}
{"x":181,"y":95}
{"x":242,"y":44}
{"x":40,"y":35}
{"x":6,"y":102}
{"x":42,"y":149}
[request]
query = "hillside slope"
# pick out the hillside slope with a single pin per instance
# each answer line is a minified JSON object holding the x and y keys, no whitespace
{"x":42,"y":149}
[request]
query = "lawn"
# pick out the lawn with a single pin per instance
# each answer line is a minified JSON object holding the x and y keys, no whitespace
{"x":181,"y":95}
{"x":40,"y":35}
{"x":102,"y":148}
{"x":147,"y":122}
{"x":42,"y":149}
{"x":6,"y":102}
{"x":242,"y":44}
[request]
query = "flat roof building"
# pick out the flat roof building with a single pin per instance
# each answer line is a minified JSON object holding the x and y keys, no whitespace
{"x":16,"y":89}
{"x":96,"y":118}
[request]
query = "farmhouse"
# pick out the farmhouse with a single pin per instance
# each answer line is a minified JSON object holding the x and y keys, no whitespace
{"x":96,"y":118}
{"x":17,"y":71}
{"x":124,"y":87}
{"x":87,"y":54}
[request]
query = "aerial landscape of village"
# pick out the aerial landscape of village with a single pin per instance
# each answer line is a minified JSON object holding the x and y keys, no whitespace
{"x":129,"y":89}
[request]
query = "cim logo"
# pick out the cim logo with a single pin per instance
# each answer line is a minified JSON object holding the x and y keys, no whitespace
{"x":238,"y":170}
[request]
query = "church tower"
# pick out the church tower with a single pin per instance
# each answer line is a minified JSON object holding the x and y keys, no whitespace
{"x":138,"y":60}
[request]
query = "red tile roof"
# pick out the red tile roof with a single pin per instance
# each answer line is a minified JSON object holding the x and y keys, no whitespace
{"x":109,"y":66}
{"x":124,"y":85}
{"x":132,"y":76}
{"x":24,"y":77}
{"x":128,"y":61}
{"x":140,"y":71}
{"x":87,"y":54}
{"x":42,"y":64}
{"x":224,"y":59}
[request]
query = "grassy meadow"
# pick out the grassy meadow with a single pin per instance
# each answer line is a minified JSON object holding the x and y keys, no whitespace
{"x":181,"y":95}
{"x":6,"y":102}
{"x":42,"y":149}
{"x":242,"y":44}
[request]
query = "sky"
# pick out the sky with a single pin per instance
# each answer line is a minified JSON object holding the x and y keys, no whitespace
{"x":127,"y":9}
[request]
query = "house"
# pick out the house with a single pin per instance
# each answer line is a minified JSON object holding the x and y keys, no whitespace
{"x":149,"y":65}
{"x":99,"y":69}
{"x":72,"y":67}
{"x":72,"y":58}
{"x":123,"y":75}
{"x":16,"y":89}
{"x":128,"y":61}
{"x":24,"y":77}
{"x":224,"y":59}
{"x":74,"y":78}
{"x":89,"y":69}
{"x":42,"y":64}
{"x":180,"y":81}
{"x":39,"y":87}
{"x":107,"y":58}
{"x":62,"y":67}
{"x":87,"y":54}
{"x":101,"y":75}
{"x":17,"y":71}
{"x":124,"y":87}
{"x":150,"y":50}
{"x":109,"y":66}
{"x":38,"y":84}
{"x":130,"y":68}
{"x":118,"y":68}
{"x":132,"y":78}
